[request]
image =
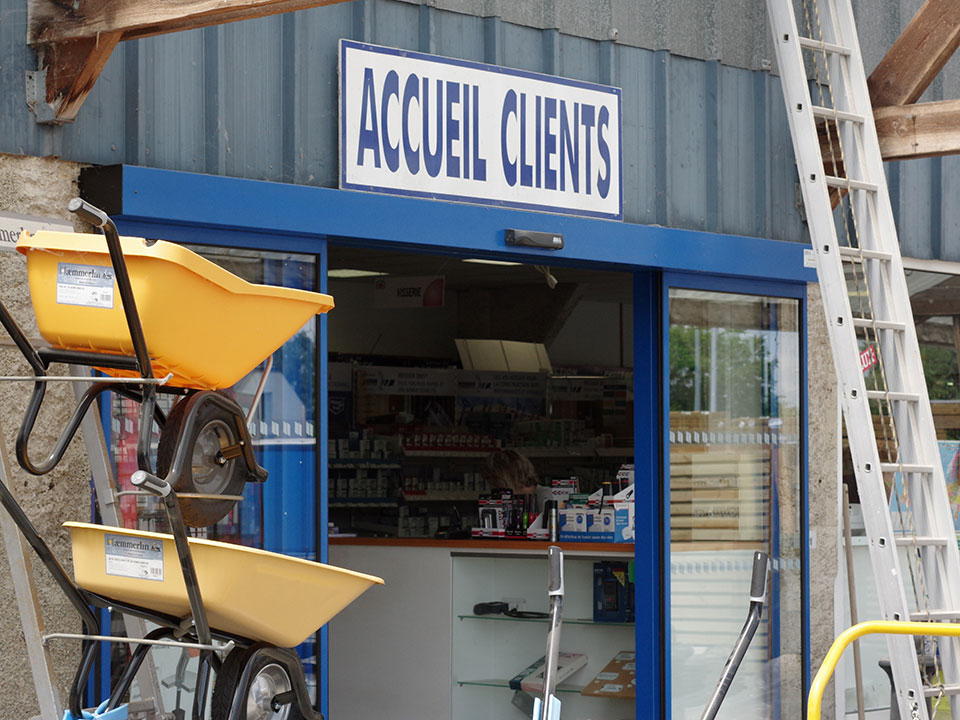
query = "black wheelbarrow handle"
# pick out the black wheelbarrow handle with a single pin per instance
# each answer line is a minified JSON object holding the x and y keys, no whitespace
{"x":97,"y":217}
{"x":758,"y":595}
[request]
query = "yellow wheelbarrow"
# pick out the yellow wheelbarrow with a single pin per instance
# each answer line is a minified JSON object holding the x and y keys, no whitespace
{"x":243,"y":609}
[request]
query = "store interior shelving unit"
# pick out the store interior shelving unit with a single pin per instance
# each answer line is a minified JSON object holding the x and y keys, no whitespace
{"x":488,"y":650}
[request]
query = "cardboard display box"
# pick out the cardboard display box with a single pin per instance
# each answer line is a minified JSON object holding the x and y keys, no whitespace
{"x":617,"y":679}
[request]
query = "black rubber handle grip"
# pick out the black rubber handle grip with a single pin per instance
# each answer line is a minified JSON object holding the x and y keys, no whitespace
{"x":758,"y":583}
{"x":151,"y":483}
{"x":84,"y":210}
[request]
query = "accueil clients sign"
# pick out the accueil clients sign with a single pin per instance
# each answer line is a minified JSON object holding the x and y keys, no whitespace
{"x":422,"y":125}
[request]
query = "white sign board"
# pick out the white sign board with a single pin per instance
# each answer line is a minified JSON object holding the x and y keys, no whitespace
{"x":12,"y":225}
{"x":408,"y":381}
{"x":426,"y":126}
{"x":408,"y":292}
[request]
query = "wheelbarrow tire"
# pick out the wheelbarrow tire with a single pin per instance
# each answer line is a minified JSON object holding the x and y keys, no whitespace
{"x":231,"y":672}
{"x":215,"y":427}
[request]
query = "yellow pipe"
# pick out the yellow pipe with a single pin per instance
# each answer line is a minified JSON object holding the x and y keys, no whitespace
{"x":871,"y":627}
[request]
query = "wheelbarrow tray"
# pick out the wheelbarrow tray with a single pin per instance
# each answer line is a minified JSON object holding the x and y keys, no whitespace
{"x":247,"y":592}
{"x":201,"y":322}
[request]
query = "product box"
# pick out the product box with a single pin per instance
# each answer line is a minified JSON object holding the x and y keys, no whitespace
{"x":623,"y":522}
{"x":491,"y":517}
{"x":617,"y":679}
{"x":613,"y":592}
{"x":601,"y":523}
{"x":537,"y":530}
{"x":530,"y":679}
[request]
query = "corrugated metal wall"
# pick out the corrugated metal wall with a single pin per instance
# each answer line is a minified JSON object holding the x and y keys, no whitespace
{"x":706,"y":143}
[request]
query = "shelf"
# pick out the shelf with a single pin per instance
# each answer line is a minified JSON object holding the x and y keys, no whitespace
{"x":530,"y":452}
{"x":362,"y":502}
{"x":498,"y":683}
{"x":363,"y":464}
{"x":625,"y":452}
{"x":449,"y":453}
{"x":566,"y":621}
{"x":440,"y":496}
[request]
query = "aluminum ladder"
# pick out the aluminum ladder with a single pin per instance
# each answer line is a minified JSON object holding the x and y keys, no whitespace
{"x":913,"y":545}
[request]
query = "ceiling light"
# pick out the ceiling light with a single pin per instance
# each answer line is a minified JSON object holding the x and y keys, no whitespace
{"x":481,"y":261}
{"x":351,"y":273}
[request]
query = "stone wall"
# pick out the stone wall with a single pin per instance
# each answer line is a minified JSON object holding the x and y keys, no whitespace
{"x":40,"y":187}
{"x":824,"y":443}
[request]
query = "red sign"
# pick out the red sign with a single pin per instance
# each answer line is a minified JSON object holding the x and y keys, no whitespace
{"x":868,"y":358}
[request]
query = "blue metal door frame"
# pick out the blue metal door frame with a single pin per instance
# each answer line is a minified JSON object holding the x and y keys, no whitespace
{"x":233,"y":212}
{"x":771,"y":288}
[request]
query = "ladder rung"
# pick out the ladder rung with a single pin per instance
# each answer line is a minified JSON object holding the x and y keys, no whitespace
{"x":848,"y":184}
{"x":920,"y":541}
{"x":879,"y":324}
{"x":812,"y":44}
{"x":931,"y":692}
{"x":907,"y":468}
{"x":832,"y":114}
{"x":895,"y":396}
{"x":922,"y":615}
{"x":861,"y":253}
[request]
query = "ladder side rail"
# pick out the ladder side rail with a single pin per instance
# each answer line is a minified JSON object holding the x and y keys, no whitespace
{"x":845,"y":349}
{"x":940,"y":523}
{"x":28,"y":605}
{"x":929,"y":502}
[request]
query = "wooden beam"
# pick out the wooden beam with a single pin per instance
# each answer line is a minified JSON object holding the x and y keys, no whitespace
{"x":55,"y":20}
{"x":74,"y":39}
{"x":919,"y":130}
{"x":920,"y":52}
{"x":72,"y":69}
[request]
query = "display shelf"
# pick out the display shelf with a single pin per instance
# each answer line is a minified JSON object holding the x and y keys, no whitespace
{"x":499,"y":683}
{"x":624,"y":452}
{"x":365,"y":502}
{"x":582,"y":453}
{"x":566,"y":621}
{"x":363,"y":464}
{"x":448,"y":453}
{"x":373,"y":527}
{"x":440,"y":495}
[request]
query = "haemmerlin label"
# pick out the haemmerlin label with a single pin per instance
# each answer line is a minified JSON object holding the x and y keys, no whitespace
{"x":422,"y":125}
{"x":133,"y":557}
{"x":12,"y":225}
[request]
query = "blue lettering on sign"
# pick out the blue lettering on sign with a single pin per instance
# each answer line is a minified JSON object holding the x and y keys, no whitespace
{"x":432,"y":160}
{"x":603,"y":181}
{"x":570,"y":146}
{"x":391,"y":88}
{"x":369,"y":137}
{"x":509,"y":165}
{"x":549,"y":143}
{"x":566,"y":135}
{"x":479,"y":163}
{"x":453,"y":128}
{"x":411,"y":92}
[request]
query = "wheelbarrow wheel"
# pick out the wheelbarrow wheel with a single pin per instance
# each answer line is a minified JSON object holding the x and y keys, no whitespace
{"x":208,"y":471}
{"x":267,"y":679}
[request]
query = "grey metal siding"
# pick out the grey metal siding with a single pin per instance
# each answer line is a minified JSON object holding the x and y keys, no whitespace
{"x":706,"y":144}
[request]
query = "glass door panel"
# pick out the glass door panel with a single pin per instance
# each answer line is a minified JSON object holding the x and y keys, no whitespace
{"x":734,"y":459}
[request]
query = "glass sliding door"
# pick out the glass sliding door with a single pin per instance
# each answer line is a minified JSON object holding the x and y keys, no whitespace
{"x":735,"y":427}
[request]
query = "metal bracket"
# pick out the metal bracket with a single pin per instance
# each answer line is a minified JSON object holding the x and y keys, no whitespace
{"x":36,"y":83}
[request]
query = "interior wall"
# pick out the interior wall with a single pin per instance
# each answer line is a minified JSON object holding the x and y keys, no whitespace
{"x":39,"y":187}
{"x":591,"y":336}
{"x":357,"y":327}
